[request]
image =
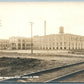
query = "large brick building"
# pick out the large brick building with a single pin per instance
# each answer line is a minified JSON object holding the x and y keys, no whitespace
{"x":52,"y":42}
{"x":59,"y":41}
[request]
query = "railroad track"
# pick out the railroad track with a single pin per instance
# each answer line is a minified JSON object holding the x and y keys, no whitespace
{"x":64,"y":77}
{"x":51,"y":75}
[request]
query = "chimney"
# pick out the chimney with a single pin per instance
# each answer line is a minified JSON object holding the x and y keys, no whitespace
{"x":44,"y":28}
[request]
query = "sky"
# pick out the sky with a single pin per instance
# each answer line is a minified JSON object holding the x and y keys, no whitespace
{"x":15,"y":18}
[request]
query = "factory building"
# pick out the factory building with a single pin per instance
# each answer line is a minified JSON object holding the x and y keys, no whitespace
{"x":19,"y":43}
{"x":4,"y":44}
{"x":61,"y":41}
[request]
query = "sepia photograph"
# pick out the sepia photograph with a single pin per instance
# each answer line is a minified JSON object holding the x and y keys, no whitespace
{"x":42,"y":42}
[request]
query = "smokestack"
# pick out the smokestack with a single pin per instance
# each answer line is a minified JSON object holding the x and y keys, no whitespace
{"x":44,"y":27}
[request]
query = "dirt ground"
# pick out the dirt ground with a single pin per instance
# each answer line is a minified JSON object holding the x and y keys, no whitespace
{"x":21,"y":66}
{"x":13,"y":63}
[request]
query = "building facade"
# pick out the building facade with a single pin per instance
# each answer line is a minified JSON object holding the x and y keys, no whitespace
{"x":59,"y":41}
{"x":4,"y":44}
{"x":19,"y":43}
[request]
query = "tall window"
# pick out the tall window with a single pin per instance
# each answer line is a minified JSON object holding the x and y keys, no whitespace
{"x":60,"y":43}
{"x":64,"y":47}
{"x":61,"y":48}
{"x":53,"y":47}
{"x":64,"y":43}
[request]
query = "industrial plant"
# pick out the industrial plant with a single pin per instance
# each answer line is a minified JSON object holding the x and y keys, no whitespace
{"x":61,"y":41}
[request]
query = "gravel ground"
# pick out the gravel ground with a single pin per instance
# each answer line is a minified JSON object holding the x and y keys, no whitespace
{"x":75,"y":78}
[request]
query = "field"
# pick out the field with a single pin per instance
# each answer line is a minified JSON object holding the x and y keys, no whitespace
{"x":17,"y":63}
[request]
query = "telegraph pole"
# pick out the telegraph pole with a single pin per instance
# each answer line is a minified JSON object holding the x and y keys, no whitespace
{"x":45,"y":28}
{"x":0,"y":22}
{"x":31,"y":23}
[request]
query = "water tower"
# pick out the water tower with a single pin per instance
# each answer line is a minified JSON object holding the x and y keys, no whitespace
{"x":61,"y":30}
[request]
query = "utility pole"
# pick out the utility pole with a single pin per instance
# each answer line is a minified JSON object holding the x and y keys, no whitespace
{"x":31,"y":23}
{"x":45,"y":28}
{"x":0,"y":22}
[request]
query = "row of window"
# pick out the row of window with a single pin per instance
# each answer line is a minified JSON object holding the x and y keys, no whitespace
{"x":21,"y":48}
{"x":50,"y":48}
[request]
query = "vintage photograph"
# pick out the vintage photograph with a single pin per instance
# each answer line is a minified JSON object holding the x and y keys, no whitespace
{"x":42,"y":42}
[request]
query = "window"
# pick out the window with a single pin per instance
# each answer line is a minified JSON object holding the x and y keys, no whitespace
{"x":64,"y":43}
{"x":23,"y":44}
{"x":28,"y":44}
{"x":64,"y":47}
{"x":23,"y":48}
{"x":19,"y":40}
{"x":46,"y":47}
{"x":19,"y":47}
{"x":43,"y":48}
{"x":19,"y":44}
{"x":53,"y":47}
{"x":50,"y":48}
{"x":61,"y":43}
{"x":61,"y":48}
{"x":23,"y":41}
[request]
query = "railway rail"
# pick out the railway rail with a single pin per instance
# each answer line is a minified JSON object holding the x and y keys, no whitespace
{"x":61,"y":78}
{"x":52,"y":75}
